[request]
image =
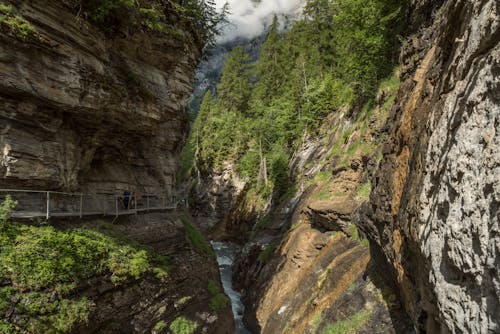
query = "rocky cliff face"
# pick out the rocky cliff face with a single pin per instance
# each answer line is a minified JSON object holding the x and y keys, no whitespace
{"x":83,"y":110}
{"x":306,"y":269}
{"x":215,"y":195}
{"x":141,"y":305}
{"x":433,"y":218}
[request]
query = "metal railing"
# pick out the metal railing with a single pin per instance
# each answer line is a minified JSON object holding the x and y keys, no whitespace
{"x":46,"y":204}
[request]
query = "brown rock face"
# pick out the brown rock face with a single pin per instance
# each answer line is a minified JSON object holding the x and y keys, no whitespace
{"x":332,"y":215}
{"x":434,"y":213}
{"x":82,"y":110}
{"x":306,"y":269}
{"x":314,"y":279}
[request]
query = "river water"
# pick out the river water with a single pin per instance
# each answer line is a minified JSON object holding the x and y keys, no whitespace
{"x":226,"y":253}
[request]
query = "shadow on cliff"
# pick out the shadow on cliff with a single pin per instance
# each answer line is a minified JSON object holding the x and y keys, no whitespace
{"x":379,"y":274}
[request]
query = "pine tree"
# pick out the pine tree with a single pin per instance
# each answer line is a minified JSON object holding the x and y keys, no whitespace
{"x":235,"y":87}
{"x":269,"y":69}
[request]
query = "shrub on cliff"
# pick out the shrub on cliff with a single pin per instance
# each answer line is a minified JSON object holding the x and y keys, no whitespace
{"x":15,"y":25}
{"x":182,"y":325}
{"x":5,"y":210}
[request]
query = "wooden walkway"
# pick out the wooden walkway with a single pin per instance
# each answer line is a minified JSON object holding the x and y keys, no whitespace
{"x":46,"y":204}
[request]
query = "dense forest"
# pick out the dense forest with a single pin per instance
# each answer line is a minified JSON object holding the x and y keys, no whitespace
{"x":332,"y":59}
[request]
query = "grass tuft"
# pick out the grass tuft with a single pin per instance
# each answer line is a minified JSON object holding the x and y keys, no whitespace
{"x":15,"y":25}
{"x":196,"y":240}
{"x":349,"y":326}
{"x":160,"y":325}
{"x":316,"y":321}
{"x":182,"y":325}
{"x":353,"y":230}
{"x":266,"y":253}
{"x":364,"y":190}
{"x":218,"y":301}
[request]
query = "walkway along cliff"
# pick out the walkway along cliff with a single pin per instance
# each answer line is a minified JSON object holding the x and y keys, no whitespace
{"x":92,"y":104}
{"x":86,"y":109}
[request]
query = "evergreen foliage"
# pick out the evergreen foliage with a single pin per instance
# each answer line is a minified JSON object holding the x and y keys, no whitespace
{"x":153,"y":15}
{"x":332,"y":59}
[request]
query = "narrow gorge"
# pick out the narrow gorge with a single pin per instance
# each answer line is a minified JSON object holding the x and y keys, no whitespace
{"x":307,"y":166}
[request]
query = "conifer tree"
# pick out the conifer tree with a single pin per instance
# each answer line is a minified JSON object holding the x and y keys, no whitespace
{"x":235,"y":88}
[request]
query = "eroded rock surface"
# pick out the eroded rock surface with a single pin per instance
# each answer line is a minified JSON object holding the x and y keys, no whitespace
{"x":306,"y":268}
{"x":434,"y":215}
{"x":83,"y":110}
{"x":312,"y":279}
{"x":332,"y":215}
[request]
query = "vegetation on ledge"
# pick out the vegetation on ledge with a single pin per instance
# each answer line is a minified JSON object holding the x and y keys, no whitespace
{"x":182,"y":325}
{"x":348,"y":326}
{"x":218,"y":301}
{"x":15,"y":25}
{"x":153,"y":16}
{"x":196,"y":240}
{"x":42,"y":269}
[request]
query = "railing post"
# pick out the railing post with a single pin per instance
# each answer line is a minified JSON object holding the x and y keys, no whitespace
{"x":105,"y":206}
{"x":135,"y":204}
{"x":116,"y":206}
{"x":81,"y":205}
{"x":48,"y":205}
{"x":147,"y":203}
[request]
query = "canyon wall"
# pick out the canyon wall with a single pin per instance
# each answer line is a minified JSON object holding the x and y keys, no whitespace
{"x":306,"y":269}
{"x":139,"y":306}
{"x":83,"y":110}
{"x":433,"y":216}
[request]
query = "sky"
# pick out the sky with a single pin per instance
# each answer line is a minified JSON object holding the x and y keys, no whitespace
{"x":249,"y":20}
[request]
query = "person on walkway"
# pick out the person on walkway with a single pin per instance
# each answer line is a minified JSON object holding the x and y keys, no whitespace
{"x":133,"y":204}
{"x":126,"y":199}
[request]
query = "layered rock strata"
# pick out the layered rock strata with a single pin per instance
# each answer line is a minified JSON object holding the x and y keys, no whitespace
{"x":84,"y":110}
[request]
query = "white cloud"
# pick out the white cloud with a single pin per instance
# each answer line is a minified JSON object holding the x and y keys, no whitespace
{"x":249,"y":20}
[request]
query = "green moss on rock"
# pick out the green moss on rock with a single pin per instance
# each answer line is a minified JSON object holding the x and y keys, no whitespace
{"x":41,"y":268}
